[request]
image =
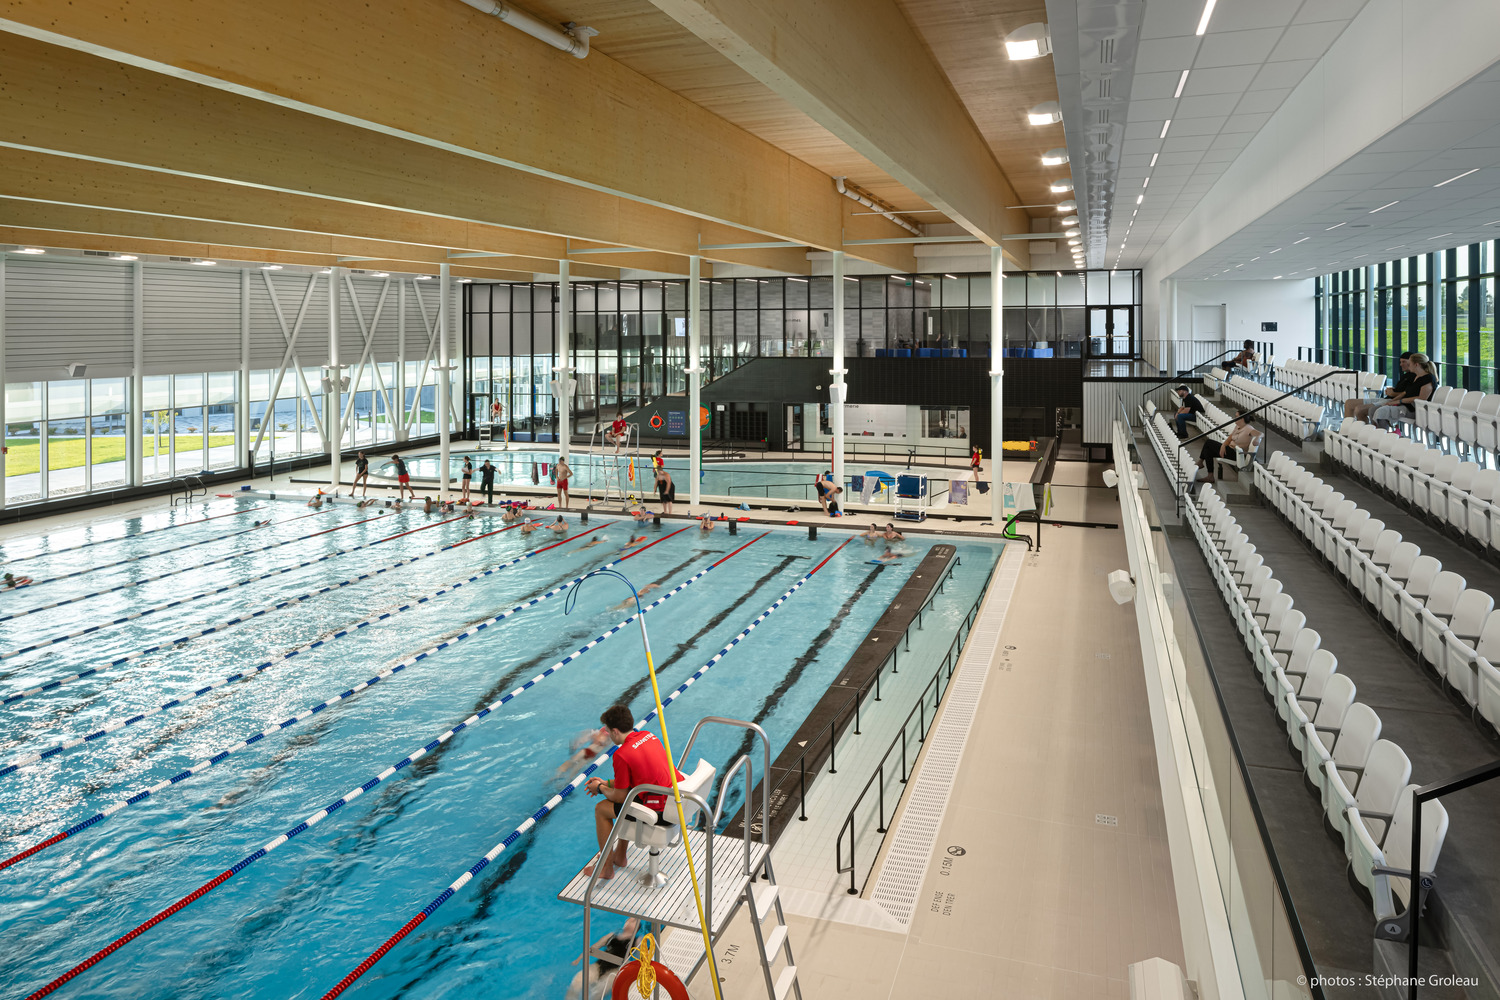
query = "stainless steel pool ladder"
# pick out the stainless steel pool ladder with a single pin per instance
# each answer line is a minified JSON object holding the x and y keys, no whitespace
{"x":686,"y":947}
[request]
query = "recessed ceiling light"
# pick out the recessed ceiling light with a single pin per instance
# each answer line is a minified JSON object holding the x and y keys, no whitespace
{"x":1181,"y":82}
{"x":1061,"y":186}
{"x":1153,"y":159}
{"x":1067,"y":206}
{"x":1208,"y":12}
{"x":1277,"y":250}
{"x":1358,"y":256}
{"x":1046,"y":113}
{"x":1146,"y":182}
{"x":1452,"y":179}
{"x":380,"y":274}
{"x":270,"y":267}
{"x":1139,"y":198}
{"x":205,"y":263}
{"x":1074,"y":242}
{"x":1055,"y":157}
{"x":124,"y":256}
{"x":1254,"y":259}
{"x":424,"y":277}
{"x":465,"y":281}
{"x":1332,"y":228}
{"x":1276,"y":278}
{"x":951,"y":277}
{"x":1164,"y":126}
{"x":1072,"y":232}
{"x":1398,"y":246}
{"x":1302,"y":240}
{"x":1439,"y":236}
{"x":1029,"y":41}
{"x":326,"y":270}
{"x":31,"y":250}
{"x":1388,"y":204}
{"x":1071,"y":220}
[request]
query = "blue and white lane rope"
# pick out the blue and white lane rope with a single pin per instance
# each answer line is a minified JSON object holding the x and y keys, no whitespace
{"x":181,"y":569}
{"x":121,"y":538}
{"x":556,"y":800}
{"x":359,"y":790}
{"x":167,"y":551}
{"x":208,"y":762}
{"x":44,"y":643}
{"x":265,"y":665}
{"x":247,"y":616}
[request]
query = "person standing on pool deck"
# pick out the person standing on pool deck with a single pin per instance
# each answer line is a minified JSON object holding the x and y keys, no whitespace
{"x":975,"y":460}
{"x":361,"y":474}
{"x":487,"y":482}
{"x":640,"y":760}
{"x":666,"y":490}
{"x":403,"y":479}
{"x":468,"y":477}
{"x":563,"y":472}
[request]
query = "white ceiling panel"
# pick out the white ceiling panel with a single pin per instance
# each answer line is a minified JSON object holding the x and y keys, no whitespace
{"x":1211,"y":106}
{"x":1306,"y":41}
{"x":1329,"y":10}
{"x":1160,"y":53}
{"x":1249,"y":14}
{"x":1197,"y":126}
{"x":1154,"y":86}
{"x":1266,"y":101}
{"x":1179,"y":143}
{"x":1246,"y":123}
{"x":1165,"y":18}
{"x":1225,"y":80}
{"x":1281,"y":75}
{"x":1238,"y":48}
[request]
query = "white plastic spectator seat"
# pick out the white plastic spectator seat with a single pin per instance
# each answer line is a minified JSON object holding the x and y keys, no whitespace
{"x":1324,"y":711}
{"x":1377,"y":785}
{"x":1391,"y":578}
{"x":1462,"y":652}
{"x":658,"y":831}
{"x":1426,"y":619}
{"x":1456,"y":636}
{"x":1487,"y":423}
{"x":1346,"y":747}
{"x":1385,"y":867}
{"x":1295,"y":658}
{"x":1449,"y":409}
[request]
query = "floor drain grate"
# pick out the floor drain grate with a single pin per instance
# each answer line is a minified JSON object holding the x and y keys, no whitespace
{"x":1104,"y":820}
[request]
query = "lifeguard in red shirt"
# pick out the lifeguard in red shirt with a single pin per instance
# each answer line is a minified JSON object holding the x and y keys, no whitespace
{"x":640,"y":760}
{"x":618,"y":430}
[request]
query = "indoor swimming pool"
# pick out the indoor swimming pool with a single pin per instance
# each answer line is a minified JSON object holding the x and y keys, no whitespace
{"x":741,"y":479}
{"x":227,"y":670}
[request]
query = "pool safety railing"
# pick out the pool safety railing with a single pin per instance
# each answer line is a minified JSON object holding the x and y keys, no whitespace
{"x":190,"y":488}
{"x":940,"y":683}
{"x":850,"y":710}
{"x":857,"y":450}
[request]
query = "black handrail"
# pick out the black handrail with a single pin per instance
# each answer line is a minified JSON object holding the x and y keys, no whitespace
{"x":1422,"y":881}
{"x":1183,"y":374}
{"x":1270,"y":402}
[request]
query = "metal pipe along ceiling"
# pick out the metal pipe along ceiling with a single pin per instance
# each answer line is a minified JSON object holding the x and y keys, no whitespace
{"x":574,"y":40}
{"x":838,"y":182}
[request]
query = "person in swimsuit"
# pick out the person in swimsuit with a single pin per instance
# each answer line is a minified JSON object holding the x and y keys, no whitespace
{"x":630,"y":601}
{"x":564,"y":472}
{"x":706,"y":523}
{"x":403,"y":479}
{"x":873,"y":533}
{"x":316,"y":503}
{"x":666,"y":490}
{"x":361,"y":474}
{"x":585,"y":747}
{"x":510,"y":514}
{"x":529,"y":526}
{"x":559,"y":526}
{"x":823,"y":483}
{"x":12,"y":581}
{"x":892,"y":535}
{"x":467,"y":477}
{"x":641,"y":515}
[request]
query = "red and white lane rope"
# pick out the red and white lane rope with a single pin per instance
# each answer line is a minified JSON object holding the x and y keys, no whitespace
{"x":359,"y":790}
{"x":44,"y":643}
{"x":121,"y":538}
{"x":395,"y":668}
{"x":167,"y":551}
{"x":556,"y":800}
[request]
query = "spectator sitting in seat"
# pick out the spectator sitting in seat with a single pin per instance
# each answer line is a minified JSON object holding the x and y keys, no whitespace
{"x":1363,"y":409}
{"x":1243,"y":359}
{"x":1188,"y":406}
{"x":1242,"y":437}
{"x":1424,"y":380}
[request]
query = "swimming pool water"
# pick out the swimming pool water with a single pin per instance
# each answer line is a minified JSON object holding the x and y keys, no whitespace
{"x":787,"y":480}
{"x":295,"y":922}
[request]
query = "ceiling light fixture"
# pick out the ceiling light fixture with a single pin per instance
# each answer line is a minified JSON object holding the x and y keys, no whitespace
{"x":1181,"y":82}
{"x":124,"y":256}
{"x":465,"y":281}
{"x":424,"y":277}
{"x":1164,"y":126}
{"x":1071,"y":220}
{"x":1208,"y":12}
{"x":1139,"y":198}
{"x":31,"y":250}
{"x":1075,"y":241}
{"x":1153,"y":160}
{"x":1146,"y":182}
{"x":1398,"y":246}
{"x":1302,"y":240}
{"x":205,"y":263}
{"x":1332,"y":228}
{"x":1062,"y":186}
{"x":1276,"y":278}
{"x":1046,"y":113}
{"x":1387,"y":205}
{"x":270,"y":267}
{"x":1452,"y":179}
{"x":1055,"y":157}
{"x":1358,"y":256}
{"x":951,"y":277}
{"x":380,"y":274}
{"x":1067,"y":206}
{"x":1254,"y":259}
{"x":1029,"y":41}
{"x":1072,"y":232}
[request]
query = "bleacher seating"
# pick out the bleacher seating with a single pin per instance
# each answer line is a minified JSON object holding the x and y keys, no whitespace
{"x":1180,"y":463}
{"x":1362,"y":780}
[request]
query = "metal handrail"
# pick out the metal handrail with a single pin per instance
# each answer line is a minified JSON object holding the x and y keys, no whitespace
{"x":1181,"y":374}
{"x":1270,"y":402}
{"x":949,"y":662}
{"x":765,"y":743}
{"x":1422,"y":881}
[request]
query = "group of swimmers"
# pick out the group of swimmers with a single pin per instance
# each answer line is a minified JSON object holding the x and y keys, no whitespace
{"x":893,"y":548}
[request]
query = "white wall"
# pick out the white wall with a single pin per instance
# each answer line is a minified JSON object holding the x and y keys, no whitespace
{"x":1248,"y":304}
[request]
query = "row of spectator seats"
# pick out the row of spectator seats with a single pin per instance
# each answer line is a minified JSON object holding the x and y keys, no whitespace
{"x":1452,"y":629}
{"x":1362,"y":780}
{"x":1461,"y":420}
{"x":1181,"y":464}
{"x":1459,"y":497}
{"x":1297,"y":418}
{"x":1295,"y":374}
{"x":941,"y":352}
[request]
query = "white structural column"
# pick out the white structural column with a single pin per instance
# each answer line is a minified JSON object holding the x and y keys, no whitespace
{"x":563,"y":373}
{"x":2,"y":377}
{"x":838,"y":390}
{"x":242,"y":388}
{"x":693,"y":370}
{"x":445,"y":297}
{"x":400,"y":408}
{"x":136,"y":413}
{"x":997,"y":388}
{"x":333,"y":399}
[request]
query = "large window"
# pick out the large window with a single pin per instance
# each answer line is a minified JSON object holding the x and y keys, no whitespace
{"x":65,"y":437}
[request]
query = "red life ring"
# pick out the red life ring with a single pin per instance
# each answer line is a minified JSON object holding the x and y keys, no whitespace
{"x":665,"y":978}
{"x":656,"y":420}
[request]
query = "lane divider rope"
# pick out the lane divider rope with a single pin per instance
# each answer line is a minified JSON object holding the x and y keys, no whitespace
{"x":236,"y":620}
{"x":181,"y":569}
{"x":44,"y":643}
{"x":249,"y":672}
{"x":138,"y":534}
{"x":166,"y":551}
{"x":356,"y":792}
{"x":208,"y":762}
{"x":556,"y":800}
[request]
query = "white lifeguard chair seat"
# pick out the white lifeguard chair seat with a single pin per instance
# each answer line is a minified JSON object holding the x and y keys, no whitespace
{"x":656,"y":831}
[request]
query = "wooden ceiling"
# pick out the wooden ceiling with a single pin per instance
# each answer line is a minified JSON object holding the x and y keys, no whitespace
{"x":964,"y":36}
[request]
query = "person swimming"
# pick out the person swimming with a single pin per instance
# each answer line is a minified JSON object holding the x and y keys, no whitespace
{"x":596,"y":540}
{"x":892,"y":535}
{"x":585,"y":747}
{"x":261,"y":524}
{"x":510,"y":514}
{"x":316,"y":502}
{"x":559,"y":526}
{"x":12,"y":581}
{"x":610,"y":953}
{"x":889,"y":555}
{"x":528,"y":526}
{"x":641,"y":515}
{"x":706,"y":523}
{"x":872,"y":533}
{"x":630,"y":601}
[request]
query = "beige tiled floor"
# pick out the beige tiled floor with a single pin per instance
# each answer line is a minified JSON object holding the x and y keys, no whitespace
{"x":1045,"y":901}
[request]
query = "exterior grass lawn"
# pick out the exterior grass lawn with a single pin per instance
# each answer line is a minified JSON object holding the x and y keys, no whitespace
{"x":24,"y":454}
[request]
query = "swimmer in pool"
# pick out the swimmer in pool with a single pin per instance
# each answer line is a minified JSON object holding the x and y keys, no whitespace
{"x":261,"y":524}
{"x":641,"y":515}
{"x":889,"y":555}
{"x":12,"y":581}
{"x":596,"y":540}
{"x":559,"y":526}
{"x":630,"y":601}
{"x":510,"y":515}
{"x":892,"y":535}
{"x":706,"y":523}
{"x":633,"y":540}
{"x":610,"y":953}
{"x":528,"y":526}
{"x":427,"y":505}
{"x":367,"y":502}
{"x":873,"y":533}
{"x":316,"y":502}
{"x":585,"y":747}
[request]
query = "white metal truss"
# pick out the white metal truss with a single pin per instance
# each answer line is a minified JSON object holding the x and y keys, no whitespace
{"x":289,"y":334}
{"x":409,"y":417}
{"x":367,"y":331}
